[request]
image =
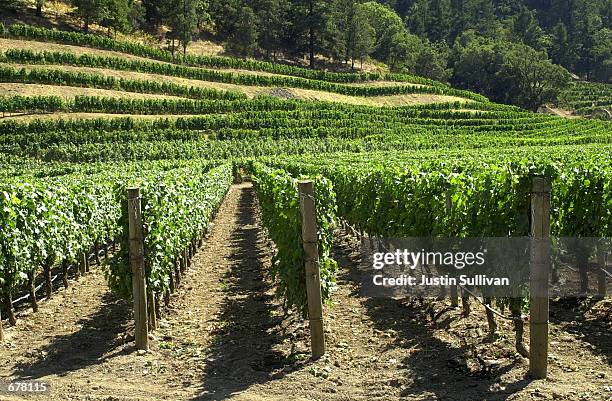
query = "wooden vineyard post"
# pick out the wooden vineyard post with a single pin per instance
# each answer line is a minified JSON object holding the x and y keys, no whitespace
{"x":601,"y":273}
{"x":83,"y":263}
{"x":539,"y":269}
{"x":151,"y":305}
{"x":311,"y":266}
{"x":139,"y":286}
{"x":454,"y":293}
{"x":48,"y":279}
{"x":65,"y":273}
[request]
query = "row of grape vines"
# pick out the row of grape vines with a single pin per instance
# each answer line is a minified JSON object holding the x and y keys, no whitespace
{"x":461,"y":193}
{"x":277,"y":192}
{"x":586,"y":97}
{"x":59,"y":216}
{"x":60,"y":77}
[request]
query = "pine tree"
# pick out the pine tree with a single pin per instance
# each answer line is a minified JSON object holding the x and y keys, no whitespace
{"x":527,"y":30}
{"x":272,"y":24}
{"x":417,"y":17}
{"x":561,"y":50}
{"x":602,"y":55}
{"x":345,"y":22}
{"x":153,"y":12}
{"x":90,"y":11}
{"x":439,"y":21}
{"x":39,"y":5}
{"x":309,"y":24}
{"x":243,"y":41}
{"x":363,"y":37}
{"x":116,"y":16}
{"x":584,"y":22}
{"x":183,"y":19}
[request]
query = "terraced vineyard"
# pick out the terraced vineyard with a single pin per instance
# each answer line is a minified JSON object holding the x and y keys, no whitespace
{"x":387,"y":154}
{"x":588,"y":98}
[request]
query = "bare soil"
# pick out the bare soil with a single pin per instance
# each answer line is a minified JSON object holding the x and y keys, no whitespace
{"x":225,"y":336}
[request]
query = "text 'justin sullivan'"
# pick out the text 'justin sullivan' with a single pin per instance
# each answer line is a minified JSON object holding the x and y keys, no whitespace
{"x":436,"y":281}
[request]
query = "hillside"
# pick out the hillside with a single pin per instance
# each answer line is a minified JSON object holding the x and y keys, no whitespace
{"x":588,"y":99}
{"x":209,"y":256}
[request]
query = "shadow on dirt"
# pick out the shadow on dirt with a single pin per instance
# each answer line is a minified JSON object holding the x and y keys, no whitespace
{"x":99,"y":335}
{"x":436,"y":369}
{"x":588,"y":318}
{"x":242,"y":353}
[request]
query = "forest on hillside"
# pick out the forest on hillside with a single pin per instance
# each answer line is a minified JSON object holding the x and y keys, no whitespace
{"x":516,"y":52}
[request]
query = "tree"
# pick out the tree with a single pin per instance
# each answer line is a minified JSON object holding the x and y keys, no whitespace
{"x":527,"y":30}
{"x":153,"y":12}
{"x":417,"y":17}
{"x":439,"y":21}
{"x":90,"y":11}
{"x":387,"y":25}
{"x":39,"y":5}
{"x":272,"y":25}
{"x":116,"y":16}
{"x":561,"y":49}
{"x":507,"y":8}
{"x":602,"y":55}
{"x":243,"y":40}
{"x":344,"y":18}
{"x":404,"y":49}
{"x":224,"y":14}
{"x":432,"y":61}
{"x":183,"y":19}
{"x":362,"y":38}
{"x":309,"y":24}
{"x":530,"y":79}
{"x":136,"y":15}
{"x":12,"y":4}
{"x":585,"y":22}
{"x":507,"y":72}
{"x":480,"y":16}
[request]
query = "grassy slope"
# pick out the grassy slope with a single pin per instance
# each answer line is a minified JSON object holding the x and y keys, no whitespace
{"x":69,"y":92}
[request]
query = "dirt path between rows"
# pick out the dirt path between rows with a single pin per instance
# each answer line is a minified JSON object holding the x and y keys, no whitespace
{"x":225,"y":336}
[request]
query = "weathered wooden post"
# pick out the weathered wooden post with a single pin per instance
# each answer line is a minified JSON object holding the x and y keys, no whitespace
{"x":311,"y":266}
{"x":48,"y":280}
{"x":1,"y":332}
{"x":539,"y":269}
{"x":136,"y":252}
{"x":601,"y":273}
{"x":454,"y":293}
{"x":151,"y":310}
{"x":83,"y":263}
{"x":77,"y":270}
{"x":65,"y":273}
{"x":32,"y":291}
